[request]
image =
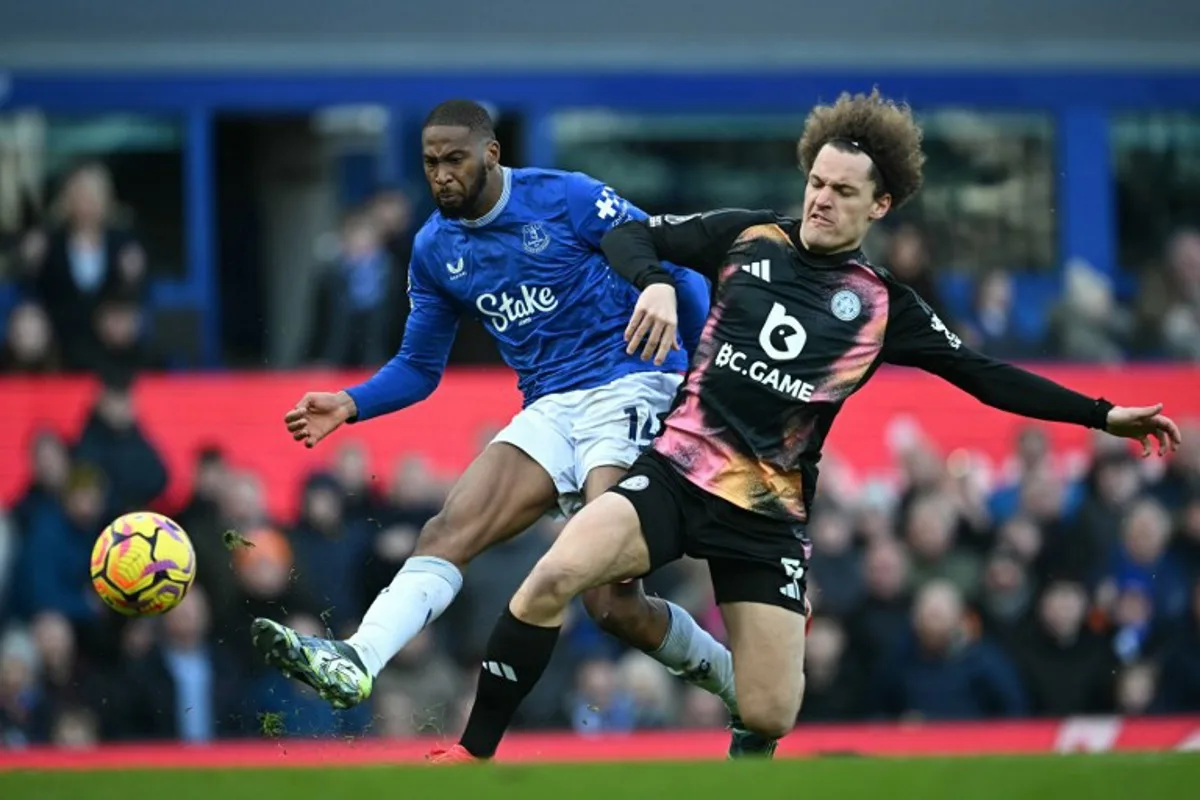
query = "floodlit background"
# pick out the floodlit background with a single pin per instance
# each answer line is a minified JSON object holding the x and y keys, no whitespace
{"x":186,"y":189}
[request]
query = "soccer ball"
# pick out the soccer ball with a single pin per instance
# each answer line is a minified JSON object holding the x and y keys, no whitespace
{"x":143,"y":564}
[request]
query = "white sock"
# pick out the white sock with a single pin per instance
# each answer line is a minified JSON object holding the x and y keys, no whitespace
{"x":422,"y":589}
{"x":693,"y":654}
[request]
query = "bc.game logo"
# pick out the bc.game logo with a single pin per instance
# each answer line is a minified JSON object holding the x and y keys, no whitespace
{"x":504,"y":310}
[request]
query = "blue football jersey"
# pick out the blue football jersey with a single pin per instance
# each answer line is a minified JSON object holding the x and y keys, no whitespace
{"x":532,"y":272}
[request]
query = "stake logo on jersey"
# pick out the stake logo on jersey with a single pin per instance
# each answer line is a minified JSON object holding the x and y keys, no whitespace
{"x":532,"y":271}
{"x":503,"y":311}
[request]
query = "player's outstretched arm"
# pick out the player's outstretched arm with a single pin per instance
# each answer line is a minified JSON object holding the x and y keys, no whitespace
{"x":700,"y":242}
{"x":917,"y":338}
{"x":409,"y":377}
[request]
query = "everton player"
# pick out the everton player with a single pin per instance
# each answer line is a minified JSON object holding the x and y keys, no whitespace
{"x":800,"y":321}
{"x":520,"y":250}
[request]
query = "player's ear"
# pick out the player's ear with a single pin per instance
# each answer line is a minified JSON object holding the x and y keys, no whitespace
{"x":491,"y":154}
{"x":879,"y":208}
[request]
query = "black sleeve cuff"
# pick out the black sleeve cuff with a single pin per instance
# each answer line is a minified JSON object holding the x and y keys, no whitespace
{"x":1099,"y":416}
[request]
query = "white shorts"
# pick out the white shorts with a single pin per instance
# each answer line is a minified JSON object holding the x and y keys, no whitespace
{"x":572,"y":433}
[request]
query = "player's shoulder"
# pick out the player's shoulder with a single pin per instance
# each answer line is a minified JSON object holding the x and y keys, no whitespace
{"x":425,"y":240}
{"x":760,"y":227}
{"x":551,"y":184}
{"x":883,"y":274}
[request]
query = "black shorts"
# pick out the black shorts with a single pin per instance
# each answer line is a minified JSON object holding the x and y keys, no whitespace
{"x":752,"y":558}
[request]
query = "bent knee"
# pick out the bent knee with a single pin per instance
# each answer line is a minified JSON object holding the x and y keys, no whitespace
{"x":615,"y":612}
{"x":771,"y":717}
{"x":553,"y":581}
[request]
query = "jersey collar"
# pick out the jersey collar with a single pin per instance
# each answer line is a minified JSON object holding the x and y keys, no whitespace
{"x":497,"y":209}
{"x":821,"y":259}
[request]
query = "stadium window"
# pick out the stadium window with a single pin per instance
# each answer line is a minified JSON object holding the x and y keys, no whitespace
{"x":1156,"y":159}
{"x":142,"y":154}
{"x":988,"y":198}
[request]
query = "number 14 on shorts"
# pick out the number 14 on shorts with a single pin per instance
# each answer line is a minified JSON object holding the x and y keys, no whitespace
{"x":641,"y":430}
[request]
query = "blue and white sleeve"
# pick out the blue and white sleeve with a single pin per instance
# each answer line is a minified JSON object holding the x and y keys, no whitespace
{"x":595,"y":208}
{"x":416,"y":370}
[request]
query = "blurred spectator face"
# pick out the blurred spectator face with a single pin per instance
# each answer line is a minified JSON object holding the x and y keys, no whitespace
{"x":874,"y":523}
{"x":643,"y":679}
{"x":397,"y":542}
{"x":392,"y":212}
{"x":18,"y":665}
{"x":29,"y":334}
{"x":1183,"y":256}
{"x":995,"y":292}
{"x":1042,"y":495}
{"x":908,"y":257}
{"x":305,"y":625}
{"x":1147,"y":530}
{"x":1003,"y":575}
{"x":414,"y":484}
{"x":115,"y":407}
{"x":923,"y":468}
{"x":211,"y":474}
{"x":596,"y":683}
{"x":85,"y":503}
{"x":359,"y":238}
{"x":885,"y":570}
{"x":1133,"y":608}
{"x":1136,"y":688}
{"x":831,"y":534}
{"x":323,"y":508}
{"x":118,"y":325}
{"x":137,"y":640}
{"x":1022,"y":537}
{"x":88,"y":197}
{"x":938,"y":616}
{"x":55,"y":641}
{"x":823,"y":648}
{"x":350,"y":469}
{"x":1032,"y":446}
{"x":930,"y":528}
{"x":186,"y":627}
{"x":51,"y":462}
{"x":76,"y":729}
{"x":1117,"y":480}
{"x":263,"y":567}
{"x":242,"y":500}
{"x":1062,"y":610}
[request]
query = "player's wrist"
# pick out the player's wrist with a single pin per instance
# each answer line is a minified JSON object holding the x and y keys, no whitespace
{"x":658,"y":279}
{"x":1101,"y":410}
{"x":347,"y":409}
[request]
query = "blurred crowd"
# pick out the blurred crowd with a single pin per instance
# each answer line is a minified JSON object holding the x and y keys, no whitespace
{"x":1047,"y":593}
{"x":81,"y":293}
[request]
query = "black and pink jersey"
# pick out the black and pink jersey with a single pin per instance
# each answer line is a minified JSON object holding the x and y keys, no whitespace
{"x":791,"y":335}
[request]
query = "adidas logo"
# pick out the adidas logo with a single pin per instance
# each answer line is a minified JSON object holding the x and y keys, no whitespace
{"x":500,"y":670}
{"x":759,"y":269}
{"x":791,"y":591}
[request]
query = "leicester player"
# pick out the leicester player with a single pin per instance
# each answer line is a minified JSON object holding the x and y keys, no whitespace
{"x":520,"y":250}
{"x":799,"y":322}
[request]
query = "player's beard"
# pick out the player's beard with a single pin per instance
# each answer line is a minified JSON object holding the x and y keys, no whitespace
{"x":468,"y":208}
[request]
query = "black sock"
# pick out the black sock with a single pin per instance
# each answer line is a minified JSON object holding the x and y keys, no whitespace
{"x":517,"y":655}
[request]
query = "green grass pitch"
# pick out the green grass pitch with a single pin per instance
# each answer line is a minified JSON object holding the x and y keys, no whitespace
{"x":1086,"y":777}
